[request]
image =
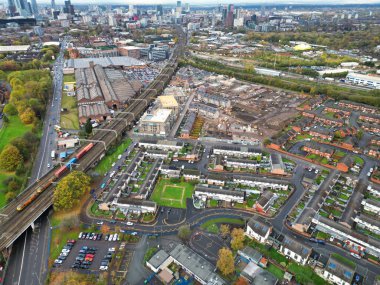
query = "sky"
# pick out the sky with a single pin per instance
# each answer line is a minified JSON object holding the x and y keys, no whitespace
{"x":215,"y":2}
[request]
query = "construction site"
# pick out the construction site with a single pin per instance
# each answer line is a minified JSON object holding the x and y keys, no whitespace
{"x":237,"y":110}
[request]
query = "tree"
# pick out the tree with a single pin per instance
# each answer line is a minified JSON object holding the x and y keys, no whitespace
{"x":28,"y":116}
{"x":10,"y":196}
{"x":10,"y":158}
{"x":88,"y":126}
{"x":225,"y":261}
{"x":105,"y":229}
{"x":70,"y":190}
{"x":224,"y":230}
{"x":10,"y":109}
{"x":238,"y":237}
{"x":22,"y":146}
{"x":360,"y":134}
{"x":184,"y":232}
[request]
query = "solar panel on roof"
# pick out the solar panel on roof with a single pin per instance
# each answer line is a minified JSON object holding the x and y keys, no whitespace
{"x":348,"y":274}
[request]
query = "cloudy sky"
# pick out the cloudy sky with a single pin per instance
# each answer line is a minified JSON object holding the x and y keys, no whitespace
{"x":197,"y":2}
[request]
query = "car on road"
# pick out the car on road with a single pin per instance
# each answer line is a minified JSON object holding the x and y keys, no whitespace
{"x":100,"y":223}
{"x":357,"y":256}
{"x":129,"y":224}
{"x":48,"y":165}
{"x":134,"y":234}
{"x":111,"y":249}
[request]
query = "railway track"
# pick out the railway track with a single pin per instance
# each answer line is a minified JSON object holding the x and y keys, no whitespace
{"x":13,"y":222}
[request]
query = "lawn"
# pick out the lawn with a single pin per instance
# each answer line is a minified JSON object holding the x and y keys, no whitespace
{"x":212,"y":222}
{"x":68,"y":78}
{"x":305,"y":275}
{"x":105,"y":164}
{"x":171,"y":194}
{"x":69,"y":118}
{"x":15,"y":128}
{"x":358,"y":160}
{"x":276,"y":271}
{"x":344,"y":260}
{"x":213,"y":228}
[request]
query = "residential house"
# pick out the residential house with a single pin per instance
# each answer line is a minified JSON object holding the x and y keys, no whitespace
{"x":159,"y":261}
{"x":277,"y":165}
{"x":262,"y":183}
{"x":335,"y":108}
{"x":337,"y":272}
{"x":196,"y":265}
{"x":188,"y":126}
{"x":258,"y":229}
{"x":302,"y":124}
{"x":371,"y":128}
{"x":242,"y":163}
{"x":358,"y":106}
{"x":249,"y":254}
{"x":328,"y":121}
{"x":166,"y":145}
{"x":237,"y":151}
{"x":370,"y":118}
{"x":191,"y":174}
{"x":375,"y":140}
{"x":265,"y":201}
{"x":374,"y":152}
{"x":283,"y":139}
{"x":128,"y":205}
{"x":314,"y":148}
{"x":210,"y":111}
{"x":372,"y":206}
{"x":170,"y":171}
{"x":368,"y":222}
{"x":218,"y":194}
{"x":216,"y":179}
{"x":295,"y":250}
{"x":322,"y":133}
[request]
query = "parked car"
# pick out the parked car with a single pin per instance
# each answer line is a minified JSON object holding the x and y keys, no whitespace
{"x":129,"y":224}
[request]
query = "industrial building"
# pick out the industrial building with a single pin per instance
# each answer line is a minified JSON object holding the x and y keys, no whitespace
{"x":363,"y":79}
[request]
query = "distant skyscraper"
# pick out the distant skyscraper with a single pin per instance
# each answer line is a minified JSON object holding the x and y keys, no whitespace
{"x":160,"y":10}
{"x":187,"y":7}
{"x":229,"y":17}
{"x":68,"y":9}
{"x":21,"y":8}
{"x":179,"y":4}
{"x":53,"y":4}
{"x":11,"y":7}
{"x":34,"y":8}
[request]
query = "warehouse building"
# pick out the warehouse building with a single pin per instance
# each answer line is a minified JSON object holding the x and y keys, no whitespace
{"x":363,"y":79}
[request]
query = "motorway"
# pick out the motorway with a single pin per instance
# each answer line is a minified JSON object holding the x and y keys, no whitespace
{"x":29,"y":252}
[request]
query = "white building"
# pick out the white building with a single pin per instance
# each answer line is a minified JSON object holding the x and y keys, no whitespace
{"x":258,"y":229}
{"x":338,"y":273}
{"x":260,"y":182}
{"x":166,"y":145}
{"x":295,"y":250}
{"x":363,"y":79}
{"x":205,"y":193}
{"x":371,"y":206}
{"x":243,"y":151}
{"x":134,"y":205}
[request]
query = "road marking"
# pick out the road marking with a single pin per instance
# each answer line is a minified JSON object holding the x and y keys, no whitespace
{"x":22,"y":258}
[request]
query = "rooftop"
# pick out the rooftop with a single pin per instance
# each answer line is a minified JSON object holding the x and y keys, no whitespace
{"x":160,"y":116}
{"x":259,"y":225}
{"x":339,"y":269}
{"x":157,"y":259}
{"x":168,"y":101}
{"x":103,"y":61}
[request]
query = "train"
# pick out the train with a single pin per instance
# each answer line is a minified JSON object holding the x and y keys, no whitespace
{"x":57,"y":175}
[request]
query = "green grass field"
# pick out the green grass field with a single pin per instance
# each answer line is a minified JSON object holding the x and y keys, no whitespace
{"x":15,"y":128}
{"x":68,"y":78}
{"x":105,"y":164}
{"x":69,"y":119}
{"x":167,"y":193}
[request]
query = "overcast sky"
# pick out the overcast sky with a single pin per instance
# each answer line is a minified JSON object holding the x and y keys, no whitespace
{"x":204,"y":2}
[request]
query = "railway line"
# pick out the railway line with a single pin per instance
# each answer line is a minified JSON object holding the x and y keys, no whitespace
{"x":14,"y":220}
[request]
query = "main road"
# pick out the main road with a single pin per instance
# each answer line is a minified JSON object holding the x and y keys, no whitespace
{"x":27,"y":263}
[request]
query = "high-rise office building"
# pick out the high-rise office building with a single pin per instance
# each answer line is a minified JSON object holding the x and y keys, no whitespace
{"x":53,"y":4}
{"x":159,"y":10}
{"x":68,"y":8}
{"x":34,"y":8}
{"x":11,"y":7}
{"x":229,"y":16}
{"x":179,"y":4}
{"x":21,"y":8}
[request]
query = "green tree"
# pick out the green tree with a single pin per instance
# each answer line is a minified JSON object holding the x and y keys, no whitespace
{"x":88,"y":126}
{"x":225,"y":261}
{"x":10,"y":158}
{"x":224,"y":230}
{"x":70,"y":190}
{"x":184,"y":232}
{"x":10,"y":109}
{"x":22,"y":146}
{"x":10,"y":196}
